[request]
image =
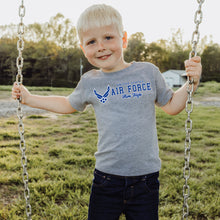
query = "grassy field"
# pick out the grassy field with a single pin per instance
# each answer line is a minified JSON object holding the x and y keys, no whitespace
{"x":60,"y":151}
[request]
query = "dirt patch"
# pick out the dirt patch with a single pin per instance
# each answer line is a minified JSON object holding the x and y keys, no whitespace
{"x":8,"y":107}
{"x":211,"y":99}
{"x":8,"y":196}
{"x":208,"y":101}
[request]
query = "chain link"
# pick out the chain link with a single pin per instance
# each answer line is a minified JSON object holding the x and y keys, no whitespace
{"x":19,"y":80}
{"x":189,"y":109}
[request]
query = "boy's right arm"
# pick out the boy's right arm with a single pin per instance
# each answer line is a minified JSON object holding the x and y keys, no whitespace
{"x":57,"y":104}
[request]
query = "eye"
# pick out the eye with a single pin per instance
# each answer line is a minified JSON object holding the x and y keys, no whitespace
{"x":91,"y":42}
{"x":108,"y":37}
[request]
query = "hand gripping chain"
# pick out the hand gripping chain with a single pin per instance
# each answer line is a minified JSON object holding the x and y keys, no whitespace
{"x":19,"y":80}
{"x":189,"y":109}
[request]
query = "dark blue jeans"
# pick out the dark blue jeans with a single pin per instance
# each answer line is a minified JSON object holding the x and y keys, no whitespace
{"x":137,"y":197}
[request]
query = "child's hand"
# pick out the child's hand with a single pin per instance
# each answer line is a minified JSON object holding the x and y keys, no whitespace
{"x":20,"y":91}
{"x":194,"y":69}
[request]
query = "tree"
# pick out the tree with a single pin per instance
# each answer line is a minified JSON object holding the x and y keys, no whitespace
{"x":157,"y":55}
{"x":211,"y":63}
{"x":136,"y":49}
{"x":58,"y":30}
{"x":52,"y":56}
{"x":8,"y":54}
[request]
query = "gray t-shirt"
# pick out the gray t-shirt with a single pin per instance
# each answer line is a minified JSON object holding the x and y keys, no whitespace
{"x":124,"y":104}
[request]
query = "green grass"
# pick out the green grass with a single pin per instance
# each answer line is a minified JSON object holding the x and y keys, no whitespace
{"x":60,"y":151}
{"x":208,"y":88}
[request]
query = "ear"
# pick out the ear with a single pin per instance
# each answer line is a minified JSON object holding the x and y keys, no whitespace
{"x":125,"y":40}
{"x":82,"y":48}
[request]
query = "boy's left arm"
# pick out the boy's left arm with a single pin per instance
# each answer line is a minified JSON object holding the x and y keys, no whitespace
{"x":178,"y":101}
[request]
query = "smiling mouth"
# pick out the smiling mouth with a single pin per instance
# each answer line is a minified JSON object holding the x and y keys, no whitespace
{"x":104,"y":57}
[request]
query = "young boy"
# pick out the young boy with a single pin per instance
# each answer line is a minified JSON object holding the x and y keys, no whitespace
{"x":123,"y":96}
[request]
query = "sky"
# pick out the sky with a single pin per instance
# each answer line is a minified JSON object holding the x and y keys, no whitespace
{"x":157,"y":19}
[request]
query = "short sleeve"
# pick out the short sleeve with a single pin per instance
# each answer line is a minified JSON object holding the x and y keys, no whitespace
{"x":77,"y":97}
{"x":163,"y":92}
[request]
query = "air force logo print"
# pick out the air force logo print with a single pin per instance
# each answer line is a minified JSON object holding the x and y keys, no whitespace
{"x":125,"y":90}
{"x":103,"y":98}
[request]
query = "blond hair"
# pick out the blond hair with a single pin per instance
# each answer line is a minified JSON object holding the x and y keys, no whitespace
{"x":99,"y":15}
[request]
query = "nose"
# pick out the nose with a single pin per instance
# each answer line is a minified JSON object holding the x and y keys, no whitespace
{"x":101,"y":46}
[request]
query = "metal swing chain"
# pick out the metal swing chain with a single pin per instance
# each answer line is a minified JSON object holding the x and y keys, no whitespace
{"x":19,"y":80}
{"x":189,"y":109}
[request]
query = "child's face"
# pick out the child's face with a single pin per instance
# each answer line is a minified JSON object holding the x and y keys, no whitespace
{"x":103,"y":47}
